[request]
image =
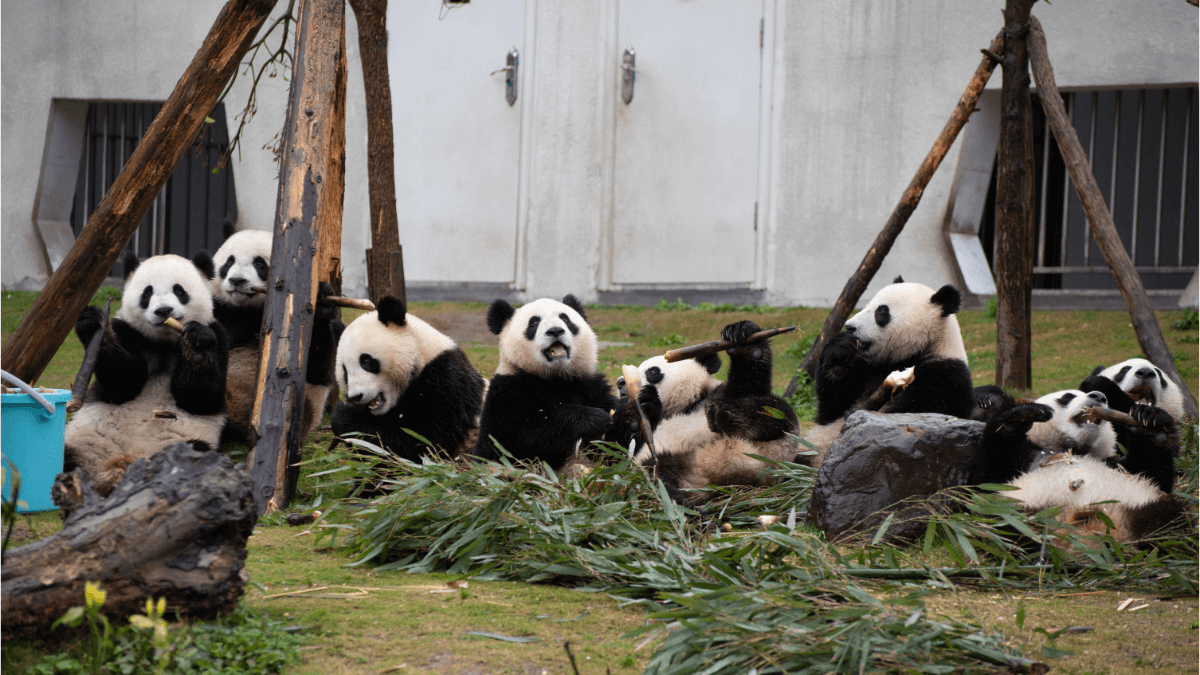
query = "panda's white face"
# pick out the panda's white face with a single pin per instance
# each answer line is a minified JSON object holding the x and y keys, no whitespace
{"x":376,"y":360}
{"x":1145,"y":383}
{"x":905,"y":319}
{"x":547,"y":338}
{"x":165,"y":286}
{"x":243,"y":263}
{"x":679,"y":384}
{"x":1068,"y":426}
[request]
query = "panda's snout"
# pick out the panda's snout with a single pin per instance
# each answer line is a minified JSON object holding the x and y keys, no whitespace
{"x":556,"y":331}
{"x":236,"y":282}
{"x":1098,"y":397}
{"x":164,"y":311}
{"x":1146,"y":373}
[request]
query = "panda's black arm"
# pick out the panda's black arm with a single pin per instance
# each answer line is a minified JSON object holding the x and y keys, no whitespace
{"x":1117,"y":399}
{"x":120,"y":369}
{"x":749,"y":365}
{"x":627,"y":425}
{"x":322,"y":351}
{"x":843,"y":377}
{"x":1006,"y":450}
{"x":241,"y":324}
{"x":198,"y":382}
{"x":1150,"y":449}
{"x":938,"y":386}
{"x":350,"y":420}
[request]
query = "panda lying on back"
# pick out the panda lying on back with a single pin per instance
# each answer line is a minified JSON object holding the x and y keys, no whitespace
{"x":144,"y":366}
{"x":1136,"y":381}
{"x":704,"y":429}
{"x":547,"y":398}
{"x":905,"y":326}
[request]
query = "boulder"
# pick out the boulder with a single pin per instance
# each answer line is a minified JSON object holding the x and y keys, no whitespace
{"x":882,"y":459}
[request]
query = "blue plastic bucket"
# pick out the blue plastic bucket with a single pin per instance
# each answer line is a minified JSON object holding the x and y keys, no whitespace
{"x":32,"y":439}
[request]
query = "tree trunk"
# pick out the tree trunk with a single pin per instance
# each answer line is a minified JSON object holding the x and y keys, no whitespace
{"x":175,"y":527}
{"x":1013,"y":264}
{"x":908,"y":203}
{"x":37,"y":338}
{"x":309,"y":180}
{"x":385,"y":262}
{"x":1145,"y":323}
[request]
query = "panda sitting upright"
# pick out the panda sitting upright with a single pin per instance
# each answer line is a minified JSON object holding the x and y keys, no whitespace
{"x":154,"y":387}
{"x":239,"y":300}
{"x":547,"y":399}
{"x":704,"y":430}
{"x":908,"y":337}
{"x":398,"y":373}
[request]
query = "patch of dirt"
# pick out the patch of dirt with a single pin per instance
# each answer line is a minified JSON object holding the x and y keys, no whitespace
{"x":463,"y":326}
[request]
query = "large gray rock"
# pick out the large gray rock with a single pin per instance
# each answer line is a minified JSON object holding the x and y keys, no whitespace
{"x":881,"y":459}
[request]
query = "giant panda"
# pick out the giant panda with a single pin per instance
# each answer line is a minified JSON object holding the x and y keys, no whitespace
{"x":905,"y":326}
{"x":704,"y":429}
{"x":1134,"y":381}
{"x":1055,"y":457}
{"x":399,"y":373}
{"x":153,"y":387}
{"x":547,"y":399}
{"x":242,"y":265}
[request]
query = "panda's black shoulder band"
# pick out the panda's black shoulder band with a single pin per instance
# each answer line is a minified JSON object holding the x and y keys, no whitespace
{"x":392,"y":310}
{"x":571,"y":301}
{"x":498,"y":315}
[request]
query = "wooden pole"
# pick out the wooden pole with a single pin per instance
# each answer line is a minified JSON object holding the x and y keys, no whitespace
{"x":1104,"y":232}
{"x":33,"y":344}
{"x":908,"y":203}
{"x":308,"y":173}
{"x":385,"y":258}
{"x":1013,"y":260}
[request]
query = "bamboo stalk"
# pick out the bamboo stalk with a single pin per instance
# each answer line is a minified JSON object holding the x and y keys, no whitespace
{"x":633,"y":384}
{"x":706,"y":348}
{"x":88,"y":367}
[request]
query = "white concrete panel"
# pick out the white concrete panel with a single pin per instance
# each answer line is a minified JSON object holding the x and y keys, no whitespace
{"x":457,"y":140}
{"x":686,"y":159}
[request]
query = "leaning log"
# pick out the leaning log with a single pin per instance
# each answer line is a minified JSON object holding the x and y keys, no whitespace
{"x":175,"y":527}
{"x":1141,"y":312}
{"x":37,"y":338}
{"x":908,"y":203}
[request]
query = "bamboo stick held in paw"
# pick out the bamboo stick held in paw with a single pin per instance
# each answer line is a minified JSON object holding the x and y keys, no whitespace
{"x":1096,"y":413}
{"x":633,"y":384}
{"x":79,"y":389}
{"x":173,"y":324}
{"x":707,"y":348}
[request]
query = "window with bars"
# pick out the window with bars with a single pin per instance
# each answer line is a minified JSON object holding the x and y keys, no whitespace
{"x":189,"y":212}
{"x":1142,"y":147}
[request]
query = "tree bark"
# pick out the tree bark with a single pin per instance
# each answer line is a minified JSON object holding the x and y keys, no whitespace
{"x":1013,"y":259}
{"x":37,"y":338}
{"x":385,"y":262}
{"x":175,"y":527}
{"x":908,"y":203}
{"x":309,"y":181}
{"x":1145,"y":323}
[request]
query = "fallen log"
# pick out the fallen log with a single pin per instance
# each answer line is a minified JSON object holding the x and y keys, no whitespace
{"x":174,"y":528}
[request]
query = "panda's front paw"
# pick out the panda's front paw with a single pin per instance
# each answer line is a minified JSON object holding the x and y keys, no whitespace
{"x":198,"y":339}
{"x":650,"y":403}
{"x":738,"y":332}
{"x":90,"y":320}
{"x":1151,"y":417}
{"x":1020,"y":419}
{"x":594,"y":422}
{"x":325,"y":311}
{"x":841,"y":349}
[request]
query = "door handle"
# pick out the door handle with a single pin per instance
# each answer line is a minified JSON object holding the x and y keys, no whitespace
{"x":628,"y":74}
{"x":512,"y":63}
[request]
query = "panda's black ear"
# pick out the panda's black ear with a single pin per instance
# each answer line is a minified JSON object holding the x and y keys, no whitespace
{"x":949,"y":298}
{"x":711,"y":362}
{"x":1097,"y":370}
{"x":391,"y":310}
{"x":898,"y":280}
{"x":498,"y":315}
{"x":571,"y":301}
{"x":203,"y":262}
{"x":130,"y":262}
{"x":229,"y":229}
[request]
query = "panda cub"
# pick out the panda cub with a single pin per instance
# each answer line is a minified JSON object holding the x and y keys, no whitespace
{"x":547,"y":398}
{"x":239,"y":300}
{"x":398,"y":373}
{"x":908,"y":337}
{"x":145,"y":367}
{"x":704,"y":429}
{"x":1138,"y":381}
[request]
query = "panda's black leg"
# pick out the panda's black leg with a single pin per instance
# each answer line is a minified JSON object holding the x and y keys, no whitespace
{"x":120,"y":372}
{"x":749,"y":365}
{"x":754,"y":418}
{"x":1006,"y":451}
{"x":198,"y":381}
{"x":1150,"y":449}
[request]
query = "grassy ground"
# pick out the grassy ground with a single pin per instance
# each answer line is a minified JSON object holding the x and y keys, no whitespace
{"x":361,"y":620}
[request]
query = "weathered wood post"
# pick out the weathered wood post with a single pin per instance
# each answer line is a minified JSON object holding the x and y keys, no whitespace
{"x":33,"y":344}
{"x":908,"y":203}
{"x":1141,"y":313}
{"x":309,"y":180}
{"x":1013,"y":260}
{"x":385,"y":258}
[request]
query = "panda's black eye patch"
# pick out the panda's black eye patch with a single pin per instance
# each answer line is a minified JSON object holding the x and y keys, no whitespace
{"x":1162,"y":380}
{"x":369,"y":363}
{"x":345,"y":374}
{"x":261,"y":266}
{"x":570,"y":324}
{"x":144,"y":301}
{"x":1065,"y":399}
{"x":224,"y":271}
{"x":1121,"y":374}
{"x":181,"y":294}
{"x":531,"y":329}
{"x":883,"y":315}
